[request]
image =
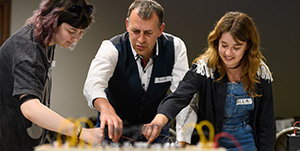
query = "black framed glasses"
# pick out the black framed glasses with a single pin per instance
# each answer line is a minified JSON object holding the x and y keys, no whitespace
{"x":75,"y":11}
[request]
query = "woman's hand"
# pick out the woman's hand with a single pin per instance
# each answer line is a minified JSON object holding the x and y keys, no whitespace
{"x":152,"y":130}
{"x":92,"y":135}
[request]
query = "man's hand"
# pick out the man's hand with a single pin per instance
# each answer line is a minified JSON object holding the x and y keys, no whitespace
{"x":183,"y":144}
{"x":109,"y":117}
{"x":114,"y":124}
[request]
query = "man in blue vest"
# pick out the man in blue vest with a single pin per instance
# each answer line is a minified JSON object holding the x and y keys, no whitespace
{"x":132,"y":73}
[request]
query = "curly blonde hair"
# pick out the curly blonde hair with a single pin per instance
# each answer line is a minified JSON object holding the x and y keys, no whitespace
{"x":242,"y":28}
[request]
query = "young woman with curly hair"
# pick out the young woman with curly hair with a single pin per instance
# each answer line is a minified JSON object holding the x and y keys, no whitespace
{"x":234,"y":88}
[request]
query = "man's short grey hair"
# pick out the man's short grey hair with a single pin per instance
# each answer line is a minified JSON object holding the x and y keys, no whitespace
{"x":146,"y":8}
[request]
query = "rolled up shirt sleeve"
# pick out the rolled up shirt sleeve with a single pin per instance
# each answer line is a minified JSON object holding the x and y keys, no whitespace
{"x":186,"y":120}
{"x":181,"y":65}
{"x":101,"y":70}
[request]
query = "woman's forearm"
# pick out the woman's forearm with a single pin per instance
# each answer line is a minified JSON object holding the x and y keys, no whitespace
{"x":41,"y":115}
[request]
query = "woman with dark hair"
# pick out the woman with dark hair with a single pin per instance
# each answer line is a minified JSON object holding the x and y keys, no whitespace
{"x":25,"y":76}
{"x":234,"y":87}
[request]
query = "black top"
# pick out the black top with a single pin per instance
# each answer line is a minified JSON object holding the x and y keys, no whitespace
{"x":25,"y":68}
{"x":212,"y":95}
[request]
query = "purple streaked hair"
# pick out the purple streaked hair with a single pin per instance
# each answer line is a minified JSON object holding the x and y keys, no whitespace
{"x":52,"y":13}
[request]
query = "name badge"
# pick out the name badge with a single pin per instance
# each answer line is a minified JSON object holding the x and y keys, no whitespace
{"x":246,"y":101}
{"x":53,"y":63}
{"x":163,"y":79}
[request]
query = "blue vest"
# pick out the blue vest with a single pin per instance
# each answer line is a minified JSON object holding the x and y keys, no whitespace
{"x":131,"y":102}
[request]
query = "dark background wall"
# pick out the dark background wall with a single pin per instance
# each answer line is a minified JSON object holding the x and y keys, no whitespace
{"x":278,"y":23}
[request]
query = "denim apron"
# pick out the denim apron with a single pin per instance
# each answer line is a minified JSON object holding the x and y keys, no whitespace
{"x":238,"y":107}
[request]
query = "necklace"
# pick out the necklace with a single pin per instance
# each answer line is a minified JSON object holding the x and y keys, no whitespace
{"x":236,"y":66}
{"x":49,"y":53}
{"x":234,"y":75}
